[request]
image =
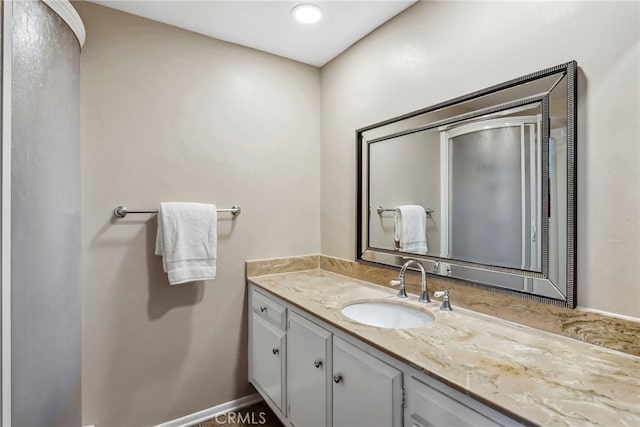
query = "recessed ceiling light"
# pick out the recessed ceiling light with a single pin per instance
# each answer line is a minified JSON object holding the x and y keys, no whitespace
{"x":307,"y":13}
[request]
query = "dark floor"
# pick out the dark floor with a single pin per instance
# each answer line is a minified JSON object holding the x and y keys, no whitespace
{"x":255,"y":415}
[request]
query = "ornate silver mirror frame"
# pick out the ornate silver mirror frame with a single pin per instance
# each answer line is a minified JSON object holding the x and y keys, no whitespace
{"x":551,"y":95}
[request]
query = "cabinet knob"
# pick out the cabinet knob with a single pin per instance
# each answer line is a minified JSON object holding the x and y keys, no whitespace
{"x":275,"y":351}
{"x":263,"y":308}
{"x":317,"y":363}
{"x":337,"y":378}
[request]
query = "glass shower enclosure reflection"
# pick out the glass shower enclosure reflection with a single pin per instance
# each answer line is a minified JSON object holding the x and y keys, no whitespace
{"x":483,"y":187}
{"x":492,"y":183}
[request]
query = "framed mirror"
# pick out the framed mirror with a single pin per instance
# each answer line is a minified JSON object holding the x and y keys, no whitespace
{"x":481,"y":188}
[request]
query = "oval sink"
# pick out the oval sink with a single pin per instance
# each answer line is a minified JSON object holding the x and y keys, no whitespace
{"x":386,"y":314}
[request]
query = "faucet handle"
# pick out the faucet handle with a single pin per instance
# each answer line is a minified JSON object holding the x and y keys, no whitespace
{"x":402,"y":293}
{"x":445,"y":299}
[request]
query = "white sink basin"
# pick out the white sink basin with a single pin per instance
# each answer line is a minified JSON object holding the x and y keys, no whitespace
{"x":386,"y":314}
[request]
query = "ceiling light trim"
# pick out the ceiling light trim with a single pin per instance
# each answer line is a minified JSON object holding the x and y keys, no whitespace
{"x":307,"y":13}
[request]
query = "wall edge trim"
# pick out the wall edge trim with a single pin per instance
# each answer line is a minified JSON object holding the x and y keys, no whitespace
{"x":206,"y":414}
{"x":5,"y":220}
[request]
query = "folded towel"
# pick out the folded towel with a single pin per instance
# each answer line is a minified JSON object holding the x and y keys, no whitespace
{"x":411,"y":229}
{"x":187,"y":241}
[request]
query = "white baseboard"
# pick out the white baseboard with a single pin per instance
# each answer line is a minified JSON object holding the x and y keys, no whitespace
{"x":207,"y":414}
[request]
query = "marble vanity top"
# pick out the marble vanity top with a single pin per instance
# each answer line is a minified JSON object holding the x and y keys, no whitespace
{"x":543,"y":378}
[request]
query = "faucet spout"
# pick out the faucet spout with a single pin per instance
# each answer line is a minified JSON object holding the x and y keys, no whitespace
{"x":424,"y":296}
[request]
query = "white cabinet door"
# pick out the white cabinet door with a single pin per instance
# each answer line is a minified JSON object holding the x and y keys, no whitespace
{"x":308,"y":373}
{"x":268,"y":359}
{"x":366,"y":391}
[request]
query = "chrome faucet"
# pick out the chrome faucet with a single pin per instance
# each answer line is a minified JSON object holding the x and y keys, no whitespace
{"x":424,"y":297}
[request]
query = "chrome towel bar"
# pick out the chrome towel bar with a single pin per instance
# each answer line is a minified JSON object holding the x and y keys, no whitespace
{"x":122,"y":211}
{"x":380,"y":209}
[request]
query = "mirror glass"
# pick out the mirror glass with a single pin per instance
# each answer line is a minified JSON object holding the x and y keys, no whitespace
{"x":480,"y":188}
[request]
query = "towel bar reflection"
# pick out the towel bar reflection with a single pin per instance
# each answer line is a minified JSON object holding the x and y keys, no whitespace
{"x":122,"y":211}
{"x":380,"y":209}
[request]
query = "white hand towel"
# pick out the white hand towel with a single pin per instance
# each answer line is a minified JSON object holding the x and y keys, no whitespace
{"x":187,"y":241}
{"x":411,"y":229}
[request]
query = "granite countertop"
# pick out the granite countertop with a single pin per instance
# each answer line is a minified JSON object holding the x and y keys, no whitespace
{"x":544,"y":378}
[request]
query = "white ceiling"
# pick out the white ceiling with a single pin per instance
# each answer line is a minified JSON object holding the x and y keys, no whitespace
{"x":268,"y":25}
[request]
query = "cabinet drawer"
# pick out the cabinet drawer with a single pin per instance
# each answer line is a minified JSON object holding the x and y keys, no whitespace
{"x":427,"y":407}
{"x":269,"y":309}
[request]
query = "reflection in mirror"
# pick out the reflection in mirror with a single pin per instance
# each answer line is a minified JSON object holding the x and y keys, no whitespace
{"x":482,"y":186}
{"x":484,"y":172}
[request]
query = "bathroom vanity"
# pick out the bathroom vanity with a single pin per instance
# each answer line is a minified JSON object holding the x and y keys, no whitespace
{"x":315,"y":366}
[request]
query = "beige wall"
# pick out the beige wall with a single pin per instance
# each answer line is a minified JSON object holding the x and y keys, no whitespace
{"x":171,"y":115}
{"x":435,"y":51}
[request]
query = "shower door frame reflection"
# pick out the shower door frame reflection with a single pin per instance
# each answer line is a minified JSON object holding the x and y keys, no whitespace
{"x":530,"y":185}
